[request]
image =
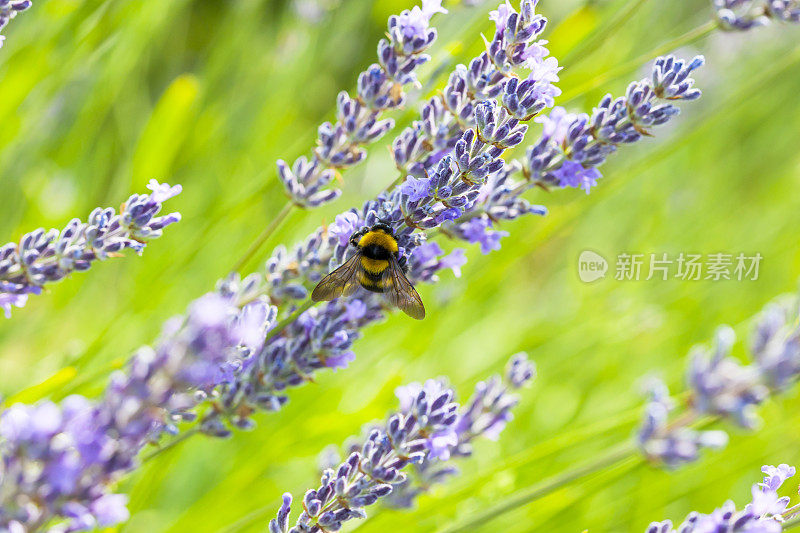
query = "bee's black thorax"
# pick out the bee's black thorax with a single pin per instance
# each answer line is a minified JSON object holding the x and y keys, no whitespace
{"x":376,"y":251}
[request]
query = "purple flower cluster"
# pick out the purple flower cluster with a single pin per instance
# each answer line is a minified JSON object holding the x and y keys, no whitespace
{"x":358,"y":122}
{"x":462,"y":196}
{"x":445,"y":117}
{"x":59,"y":461}
{"x":721,"y":386}
{"x":411,"y":451}
{"x":765,"y":513}
{"x":319,"y":338}
{"x":742,"y":15}
{"x":670,"y":443}
{"x":485,"y":414}
{"x":372,"y":472}
{"x":47,"y":256}
{"x":775,"y":346}
{"x":9,"y":10}
{"x":571,"y":147}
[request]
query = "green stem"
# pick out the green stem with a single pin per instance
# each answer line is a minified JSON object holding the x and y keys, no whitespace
{"x":543,"y":488}
{"x":687,"y":38}
{"x":262,"y":238}
{"x":171,"y":444}
{"x":791,"y":523}
{"x":280,"y":326}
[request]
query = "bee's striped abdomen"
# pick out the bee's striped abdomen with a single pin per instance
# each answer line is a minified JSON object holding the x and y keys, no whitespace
{"x":371,"y":282}
{"x":377,"y":249}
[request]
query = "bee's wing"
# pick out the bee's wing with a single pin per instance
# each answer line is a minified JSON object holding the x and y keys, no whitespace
{"x":341,"y":282}
{"x":399,"y":291}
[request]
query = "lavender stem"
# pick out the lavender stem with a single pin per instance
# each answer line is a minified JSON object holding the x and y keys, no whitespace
{"x":262,"y":238}
{"x":535,"y":492}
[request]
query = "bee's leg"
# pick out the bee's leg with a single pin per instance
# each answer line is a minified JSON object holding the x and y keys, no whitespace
{"x":402,"y":262}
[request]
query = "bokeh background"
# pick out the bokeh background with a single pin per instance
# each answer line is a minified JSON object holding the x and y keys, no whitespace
{"x":100,"y":96}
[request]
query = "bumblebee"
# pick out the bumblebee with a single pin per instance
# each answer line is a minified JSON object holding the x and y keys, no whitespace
{"x":375,"y":266}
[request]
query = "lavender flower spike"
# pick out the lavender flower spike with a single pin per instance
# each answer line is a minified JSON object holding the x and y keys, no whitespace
{"x":446,"y":116}
{"x":721,"y":386}
{"x":765,"y":513}
{"x":661,"y":441}
{"x":571,"y":147}
{"x":358,"y":122}
{"x":59,"y":462}
{"x":428,"y":431}
{"x":485,"y":414}
{"x":9,"y":10}
{"x":742,"y":15}
{"x":776,"y":343}
{"x":43,"y":257}
{"x":371,"y":473}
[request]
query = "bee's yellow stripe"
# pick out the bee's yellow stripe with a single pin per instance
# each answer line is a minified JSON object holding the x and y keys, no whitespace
{"x":365,"y":281}
{"x":379,"y":237}
{"x":374,"y":266}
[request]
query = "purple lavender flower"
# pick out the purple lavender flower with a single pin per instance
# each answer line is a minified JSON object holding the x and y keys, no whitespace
{"x":478,"y":230}
{"x":719,"y":385}
{"x":410,"y":452}
{"x":512,"y":45}
{"x":571,"y":147}
{"x":454,"y":261}
{"x":489,"y":409}
{"x":742,"y":15}
{"x":43,"y":257}
{"x":665,"y":442}
{"x":416,"y":189}
{"x":765,"y":513}
{"x":7,"y":301}
{"x":445,"y":117}
{"x":776,"y":343}
{"x":60,"y":461}
{"x":775,"y":476}
{"x":484,"y":415}
{"x":575,"y":175}
{"x":372,"y":472}
{"x":358,"y":121}
{"x":429,"y":258}
{"x":9,"y":10}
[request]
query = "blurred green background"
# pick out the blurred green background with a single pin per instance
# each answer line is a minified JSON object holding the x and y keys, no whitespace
{"x":99,"y":97}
